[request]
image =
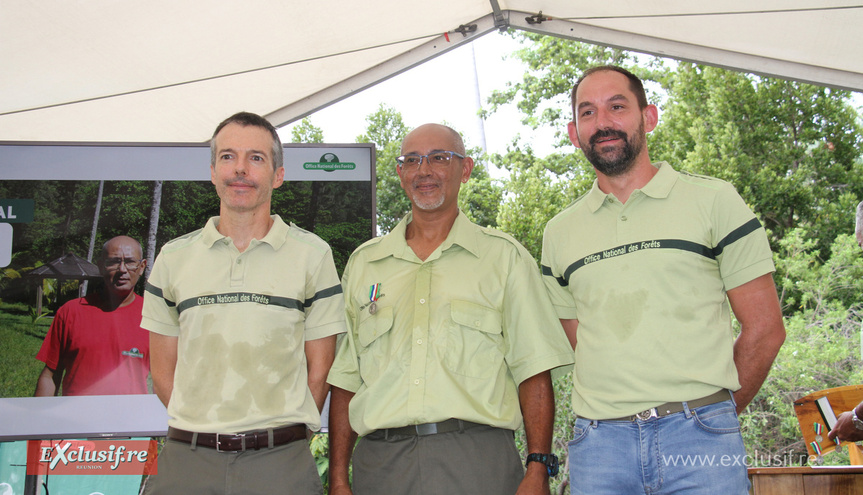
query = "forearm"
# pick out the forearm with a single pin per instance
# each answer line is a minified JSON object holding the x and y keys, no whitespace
{"x":536,"y":397}
{"x":753,"y":358}
{"x":163,"y":363}
{"x":762,"y":332}
{"x":319,"y":357}
{"x":47,"y":384}
{"x":342,"y":440}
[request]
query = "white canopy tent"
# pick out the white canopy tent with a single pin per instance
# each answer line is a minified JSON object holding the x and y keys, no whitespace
{"x":167,"y":70}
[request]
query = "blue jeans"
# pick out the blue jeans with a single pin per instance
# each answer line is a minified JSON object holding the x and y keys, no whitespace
{"x":698,"y":451}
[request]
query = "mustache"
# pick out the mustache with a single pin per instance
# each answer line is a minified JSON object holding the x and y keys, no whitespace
{"x":606,"y":133}
{"x":423,"y":182}
{"x":239,"y":180}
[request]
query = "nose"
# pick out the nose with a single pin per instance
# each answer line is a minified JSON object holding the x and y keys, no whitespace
{"x":602,"y":119}
{"x":428,"y":167}
{"x":122,"y":267}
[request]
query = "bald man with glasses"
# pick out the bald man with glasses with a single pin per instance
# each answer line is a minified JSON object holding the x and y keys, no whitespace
{"x":95,"y":345}
{"x":450,"y":343}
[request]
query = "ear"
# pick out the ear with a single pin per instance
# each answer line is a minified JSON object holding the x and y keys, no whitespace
{"x":650,"y":114}
{"x":279,"y":177}
{"x":466,"y":168}
{"x":573,"y":133}
{"x":213,"y":173}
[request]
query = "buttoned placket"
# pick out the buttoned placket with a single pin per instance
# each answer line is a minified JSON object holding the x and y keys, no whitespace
{"x":419,"y":340}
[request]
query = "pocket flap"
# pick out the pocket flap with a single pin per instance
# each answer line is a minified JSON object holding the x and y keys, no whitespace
{"x":375,"y":325}
{"x":475,"y":316}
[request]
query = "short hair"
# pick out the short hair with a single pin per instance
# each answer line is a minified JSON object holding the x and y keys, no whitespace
{"x":635,"y":85}
{"x":246,"y":119}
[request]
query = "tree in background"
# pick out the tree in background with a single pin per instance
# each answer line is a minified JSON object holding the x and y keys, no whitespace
{"x":386,"y":129}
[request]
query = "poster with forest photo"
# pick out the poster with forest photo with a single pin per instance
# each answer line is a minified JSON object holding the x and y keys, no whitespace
{"x":73,"y":218}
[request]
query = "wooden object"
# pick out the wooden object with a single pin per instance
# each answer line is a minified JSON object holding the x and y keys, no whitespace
{"x":841,"y":399}
{"x":839,"y":480}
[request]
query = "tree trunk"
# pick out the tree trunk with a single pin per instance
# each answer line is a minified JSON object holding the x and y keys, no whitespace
{"x":154,"y":226}
{"x":82,"y":289}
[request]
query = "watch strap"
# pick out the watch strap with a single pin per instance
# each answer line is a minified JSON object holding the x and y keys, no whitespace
{"x":550,"y":461}
{"x":857,"y":423}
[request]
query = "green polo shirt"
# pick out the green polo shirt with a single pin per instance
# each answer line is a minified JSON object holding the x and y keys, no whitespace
{"x":449,"y":337}
{"x":647,"y":281}
{"x":242,"y":320}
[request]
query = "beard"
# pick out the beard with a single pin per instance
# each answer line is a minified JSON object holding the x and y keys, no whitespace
{"x":617,"y":162}
{"x":432,"y":203}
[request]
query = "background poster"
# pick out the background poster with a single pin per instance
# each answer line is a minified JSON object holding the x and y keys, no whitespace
{"x":64,"y":199}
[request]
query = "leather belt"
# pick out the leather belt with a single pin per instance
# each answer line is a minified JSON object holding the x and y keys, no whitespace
{"x":676,"y":407}
{"x":240,"y":442}
{"x":424,"y":429}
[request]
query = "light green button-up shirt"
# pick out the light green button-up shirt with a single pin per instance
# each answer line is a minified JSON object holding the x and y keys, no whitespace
{"x":448,"y":337}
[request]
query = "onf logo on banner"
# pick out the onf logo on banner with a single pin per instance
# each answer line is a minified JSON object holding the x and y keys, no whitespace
{"x":134,"y":457}
{"x":329,"y":162}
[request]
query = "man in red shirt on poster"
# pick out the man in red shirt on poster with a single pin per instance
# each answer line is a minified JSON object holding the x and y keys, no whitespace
{"x":95,"y":345}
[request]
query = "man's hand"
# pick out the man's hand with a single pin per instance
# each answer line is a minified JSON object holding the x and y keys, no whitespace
{"x":535,"y":480}
{"x":844,"y":429}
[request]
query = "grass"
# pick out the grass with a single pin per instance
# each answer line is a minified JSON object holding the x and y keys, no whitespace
{"x":20,"y":339}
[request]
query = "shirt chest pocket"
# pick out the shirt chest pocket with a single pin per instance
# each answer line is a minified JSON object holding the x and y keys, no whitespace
{"x":475,"y":344}
{"x":375,"y":339}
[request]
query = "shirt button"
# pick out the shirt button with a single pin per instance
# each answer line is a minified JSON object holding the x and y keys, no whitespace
{"x":239,"y":261}
{"x":623,"y":218}
{"x":422,"y":301}
{"x":420,"y":341}
{"x":416,"y":382}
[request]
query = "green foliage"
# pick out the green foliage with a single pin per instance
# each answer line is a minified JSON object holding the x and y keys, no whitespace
{"x":386,"y":129}
{"x":791,"y":149}
{"x":823,"y":344}
{"x":306,"y":132}
{"x":320,"y":447}
{"x":537,"y":189}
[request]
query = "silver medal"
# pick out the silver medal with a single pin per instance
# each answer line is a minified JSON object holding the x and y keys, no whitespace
{"x":373,"y":308}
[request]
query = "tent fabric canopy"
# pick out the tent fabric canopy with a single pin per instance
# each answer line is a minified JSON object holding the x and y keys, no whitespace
{"x":165,"y":71}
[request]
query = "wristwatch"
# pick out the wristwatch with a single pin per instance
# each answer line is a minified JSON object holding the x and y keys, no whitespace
{"x":550,"y":461}
{"x":857,"y":423}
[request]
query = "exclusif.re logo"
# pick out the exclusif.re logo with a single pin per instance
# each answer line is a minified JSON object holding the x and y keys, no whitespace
{"x":136,"y":457}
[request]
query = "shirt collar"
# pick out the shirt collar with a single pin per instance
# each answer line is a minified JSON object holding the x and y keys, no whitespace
{"x":658,"y":187}
{"x":275,"y":237}
{"x":463,"y":233}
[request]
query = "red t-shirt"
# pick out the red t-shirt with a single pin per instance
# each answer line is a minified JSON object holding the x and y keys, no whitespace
{"x":101,"y":353}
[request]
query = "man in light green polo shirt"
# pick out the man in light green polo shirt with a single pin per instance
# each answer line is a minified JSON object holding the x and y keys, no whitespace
{"x":450,"y":341}
{"x":243,"y":316}
{"x":641,"y":270}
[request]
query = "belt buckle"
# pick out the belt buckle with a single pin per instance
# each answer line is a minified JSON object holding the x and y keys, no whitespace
{"x":647,"y":414}
{"x":426,"y":429}
{"x":242,"y":442}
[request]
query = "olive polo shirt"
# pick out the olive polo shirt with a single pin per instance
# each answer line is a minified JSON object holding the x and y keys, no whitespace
{"x":647,"y":281}
{"x":242,"y":320}
{"x":448,"y":337}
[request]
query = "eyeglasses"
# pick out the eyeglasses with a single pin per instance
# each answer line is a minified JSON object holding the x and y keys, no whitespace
{"x":131,"y":264}
{"x":438,"y":159}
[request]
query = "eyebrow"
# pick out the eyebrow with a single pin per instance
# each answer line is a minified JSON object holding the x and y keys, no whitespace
{"x":616,"y":97}
{"x":430,"y":152}
{"x":232,"y":150}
